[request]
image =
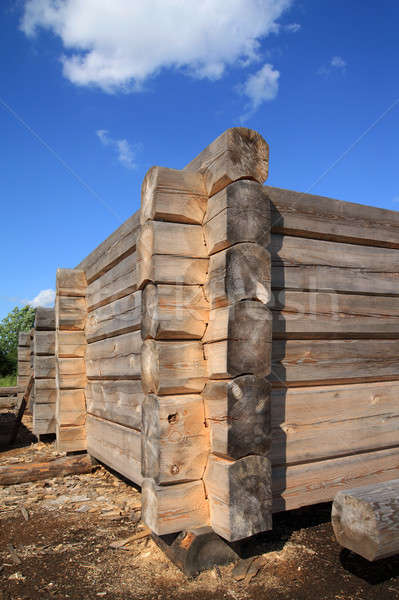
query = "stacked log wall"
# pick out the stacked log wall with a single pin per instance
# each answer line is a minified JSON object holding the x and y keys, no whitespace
{"x":24,"y":366}
{"x":335,"y":356}
{"x":44,"y":368}
{"x":114,"y":394}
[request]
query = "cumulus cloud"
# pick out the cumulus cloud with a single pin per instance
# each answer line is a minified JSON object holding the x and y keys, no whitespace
{"x":337,"y":63}
{"x":125,"y":152}
{"x":260,"y":87}
{"x":44,"y":298}
{"x":118,"y":45}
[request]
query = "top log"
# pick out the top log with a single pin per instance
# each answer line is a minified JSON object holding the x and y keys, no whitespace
{"x":239,"y":153}
{"x":44,"y":319}
{"x":71,"y":282}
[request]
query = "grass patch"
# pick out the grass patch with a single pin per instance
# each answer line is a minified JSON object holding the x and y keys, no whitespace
{"x":8,"y":381}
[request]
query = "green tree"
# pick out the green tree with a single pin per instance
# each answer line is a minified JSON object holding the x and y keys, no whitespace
{"x":19,"y":319}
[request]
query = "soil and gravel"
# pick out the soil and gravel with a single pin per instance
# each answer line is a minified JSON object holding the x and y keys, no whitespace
{"x":70,"y":538}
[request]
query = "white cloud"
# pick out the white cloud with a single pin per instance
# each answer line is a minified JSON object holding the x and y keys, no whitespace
{"x":337,"y":63}
{"x":118,"y":45}
{"x":292,"y":27}
{"x":44,"y":298}
{"x":125,"y":152}
{"x":396,"y":199}
{"x":260,"y":87}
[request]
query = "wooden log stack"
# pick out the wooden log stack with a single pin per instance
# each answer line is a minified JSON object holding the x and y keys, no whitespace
{"x":70,"y":348}
{"x":205,"y":275}
{"x":24,"y":367}
{"x":44,"y":394}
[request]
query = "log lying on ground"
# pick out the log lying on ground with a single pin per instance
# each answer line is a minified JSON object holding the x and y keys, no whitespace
{"x":239,"y":213}
{"x":59,"y":467}
{"x":237,"y":153}
{"x":366,"y":520}
{"x":173,"y":196}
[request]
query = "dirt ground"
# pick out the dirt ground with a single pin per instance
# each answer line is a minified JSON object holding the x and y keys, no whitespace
{"x":57,"y":538}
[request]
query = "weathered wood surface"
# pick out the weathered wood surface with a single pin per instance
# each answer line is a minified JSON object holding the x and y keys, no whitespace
{"x":366,"y":520}
{"x":45,"y":384}
{"x":239,"y":493}
{"x":44,"y":418}
{"x":306,"y":264}
{"x":59,"y":467}
{"x":115,"y":318}
{"x":238,"y":340}
{"x":300,"y":362}
{"x":71,"y":438}
{"x":71,"y":313}
{"x":238,"y":153}
{"x":174,"y":440}
{"x":112,"y":250}
{"x":24,"y":354}
{"x":115,"y":357}
{"x":295,"y":213}
{"x":322,"y":314}
{"x":171,"y":508}
{"x":24,"y":368}
{"x":71,"y":408}
{"x":71,"y":373}
{"x":44,"y":343}
{"x":161,"y":244}
{"x":239,"y":273}
{"x":310,"y":483}
{"x":174,"y":312}
{"x":172,"y":367}
{"x":117,"y":282}
{"x":44,"y":367}
{"x":312,"y":423}
{"x":44,"y":319}
{"x":71,"y":344}
{"x":173,"y":196}
{"x":71,"y":282}
{"x":238,"y":416}
{"x":119,"y":401}
{"x":117,"y":446}
{"x":9,"y":391}
{"x":239,"y":213}
{"x":24,"y":338}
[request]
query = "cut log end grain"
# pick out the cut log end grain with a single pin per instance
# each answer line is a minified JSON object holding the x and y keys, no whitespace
{"x":366,"y":520}
{"x":172,"y":195}
{"x":71,"y":282}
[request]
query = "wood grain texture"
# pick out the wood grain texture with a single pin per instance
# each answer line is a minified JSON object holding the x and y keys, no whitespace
{"x":24,"y":338}
{"x":238,"y":153}
{"x":241,"y":272}
{"x":295,"y":213}
{"x":174,"y":312}
{"x":115,"y":283}
{"x":116,"y":446}
{"x":44,"y":319}
{"x":112,"y":250}
{"x":71,"y":407}
{"x":239,"y":213}
{"x":238,"y":414}
{"x":59,"y":467}
{"x":44,"y":343}
{"x":238,"y":341}
{"x":172,"y":508}
{"x":24,"y":353}
{"x":310,"y":483}
{"x":71,"y":313}
{"x":173,"y":196}
{"x":115,"y":318}
{"x":71,"y":373}
{"x":115,"y":357}
{"x":174,"y":438}
{"x":239,"y":493}
{"x":44,"y":367}
{"x":172,"y":367}
{"x":366,"y":519}
{"x":297,"y":362}
{"x":119,"y":401}
{"x":306,"y":264}
{"x":71,"y":282}
{"x":71,"y":438}
{"x":313,"y":315}
{"x":71,"y":344}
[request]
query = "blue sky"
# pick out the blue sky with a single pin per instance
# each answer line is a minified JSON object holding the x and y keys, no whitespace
{"x":93,"y":93}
